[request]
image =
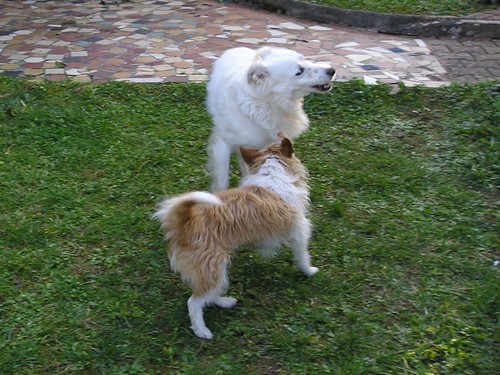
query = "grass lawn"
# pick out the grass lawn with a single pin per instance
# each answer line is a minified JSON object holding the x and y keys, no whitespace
{"x":422,"y":7}
{"x":406,"y":221}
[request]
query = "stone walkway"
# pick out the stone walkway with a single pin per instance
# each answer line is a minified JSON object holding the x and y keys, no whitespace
{"x":177,"y":41}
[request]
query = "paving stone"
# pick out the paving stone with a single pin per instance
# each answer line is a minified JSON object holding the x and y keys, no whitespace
{"x":50,"y":64}
{"x":54,"y":57}
{"x":54,"y":71}
{"x":178,"y":41}
{"x":198,"y":77}
{"x":33,"y":72}
{"x":56,"y":77}
{"x":182,"y":64}
{"x":9,"y":66}
{"x":145,"y":59}
{"x":73,"y":72}
{"x":34,"y":59}
{"x":291,"y":26}
{"x":277,"y":40}
{"x":358,"y":58}
{"x":143,"y":80}
{"x":166,"y":73}
{"x":33,"y":65}
{"x":79,"y":54}
{"x":254,"y":41}
{"x":121,"y":75}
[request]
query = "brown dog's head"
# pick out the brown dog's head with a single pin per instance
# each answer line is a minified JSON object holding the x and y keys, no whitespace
{"x":283,"y":151}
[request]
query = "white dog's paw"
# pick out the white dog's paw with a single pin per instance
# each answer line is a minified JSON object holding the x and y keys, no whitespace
{"x":311,"y":271}
{"x":203,"y":333}
{"x":226,"y":302}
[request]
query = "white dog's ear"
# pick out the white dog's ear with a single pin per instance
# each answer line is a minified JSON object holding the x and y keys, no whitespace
{"x":265,"y":51}
{"x":257,"y":74}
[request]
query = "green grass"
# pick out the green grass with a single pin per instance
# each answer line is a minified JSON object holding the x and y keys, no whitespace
{"x":404,"y":193}
{"x":422,"y":7}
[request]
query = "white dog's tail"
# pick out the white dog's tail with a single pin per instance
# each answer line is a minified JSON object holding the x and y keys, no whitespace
{"x":174,"y":211}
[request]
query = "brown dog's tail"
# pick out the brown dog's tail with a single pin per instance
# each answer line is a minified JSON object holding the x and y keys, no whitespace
{"x":175,"y":211}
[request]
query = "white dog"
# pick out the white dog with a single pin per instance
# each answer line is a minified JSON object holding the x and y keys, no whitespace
{"x":252,"y":95}
{"x":203,"y":230}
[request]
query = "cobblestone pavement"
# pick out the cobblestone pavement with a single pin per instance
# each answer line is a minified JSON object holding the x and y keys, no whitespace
{"x":468,"y":60}
{"x":177,"y":41}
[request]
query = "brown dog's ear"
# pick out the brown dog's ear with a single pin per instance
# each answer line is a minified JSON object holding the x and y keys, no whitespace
{"x":286,"y":147}
{"x":282,"y":134}
{"x":249,"y":155}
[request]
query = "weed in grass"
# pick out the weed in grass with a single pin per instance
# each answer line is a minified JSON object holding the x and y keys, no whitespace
{"x":405,"y":221}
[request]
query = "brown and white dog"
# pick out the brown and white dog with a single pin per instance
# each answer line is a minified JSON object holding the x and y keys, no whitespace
{"x":268,"y":209}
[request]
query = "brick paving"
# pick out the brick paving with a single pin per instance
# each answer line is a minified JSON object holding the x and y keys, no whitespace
{"x":468,"y":60}
{"x":178,"y":41}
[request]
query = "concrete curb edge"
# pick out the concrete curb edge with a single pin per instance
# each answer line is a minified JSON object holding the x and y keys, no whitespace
{"x":401,"y":24}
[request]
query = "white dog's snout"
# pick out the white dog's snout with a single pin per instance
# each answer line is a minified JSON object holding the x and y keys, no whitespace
{"x":331,"y":72}
{"x":326,"y":69}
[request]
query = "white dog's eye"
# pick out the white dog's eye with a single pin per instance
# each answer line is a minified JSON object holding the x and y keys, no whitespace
{"x":301,"y":70}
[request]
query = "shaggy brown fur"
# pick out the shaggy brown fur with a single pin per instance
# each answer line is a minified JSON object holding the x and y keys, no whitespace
{"x":206,"y":235}
{"x":203,"y":230}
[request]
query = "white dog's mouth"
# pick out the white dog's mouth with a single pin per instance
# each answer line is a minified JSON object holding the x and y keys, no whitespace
{"x":330,"y":72}
{"x":323,"y":88}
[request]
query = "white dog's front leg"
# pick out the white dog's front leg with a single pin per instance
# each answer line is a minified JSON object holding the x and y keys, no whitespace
{"x":298,"y":242}
{"x":243,"y":166}
{"x":219,"y":156}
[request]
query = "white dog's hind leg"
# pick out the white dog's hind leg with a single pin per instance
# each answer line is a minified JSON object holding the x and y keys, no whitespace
{"x":195,"y":307}
{"x":219,"y":156}
{"x":298,"y":241}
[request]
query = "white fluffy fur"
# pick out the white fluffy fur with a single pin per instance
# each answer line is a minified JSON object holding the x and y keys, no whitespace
{"x":168,"y":205}
{"x":198,"y":196}
{"x":272,"y":175}
{"x":252,"y":95}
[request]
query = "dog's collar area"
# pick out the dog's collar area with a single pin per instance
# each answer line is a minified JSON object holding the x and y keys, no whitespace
{"x":275,"y":158}
{"x":271,"y":163}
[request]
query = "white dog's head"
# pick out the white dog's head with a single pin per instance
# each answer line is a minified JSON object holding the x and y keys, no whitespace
{"x":288,"y":73}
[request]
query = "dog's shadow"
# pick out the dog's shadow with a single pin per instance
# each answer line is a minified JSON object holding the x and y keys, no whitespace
{"x":257,"y":283}
{"x":260,"y":282}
